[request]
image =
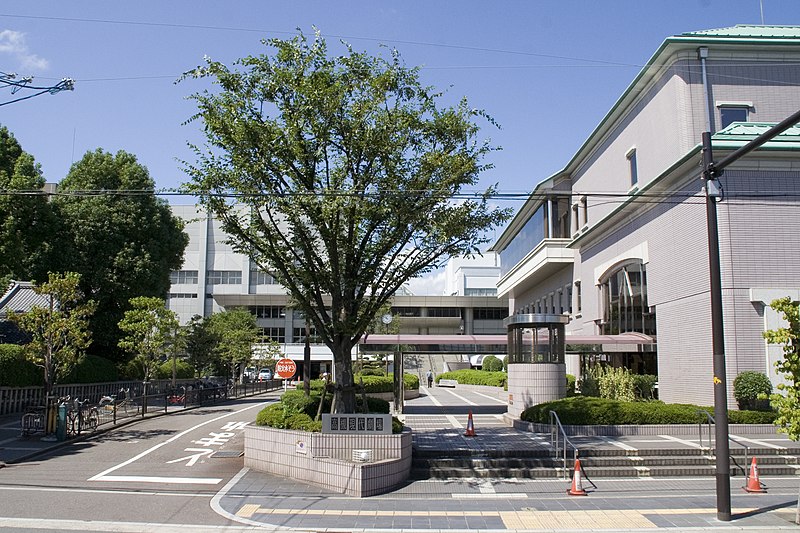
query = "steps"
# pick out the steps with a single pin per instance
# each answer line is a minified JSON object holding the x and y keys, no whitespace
{"x":541,"y":464}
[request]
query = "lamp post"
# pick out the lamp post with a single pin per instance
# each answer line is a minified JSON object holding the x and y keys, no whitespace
{"x":711,"y":172}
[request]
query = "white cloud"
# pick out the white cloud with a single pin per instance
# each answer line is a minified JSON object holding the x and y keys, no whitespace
{"x":13,"y":43}
{"x":428,"y":285}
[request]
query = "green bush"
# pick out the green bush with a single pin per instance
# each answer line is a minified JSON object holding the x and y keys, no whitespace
{"x":16,"y":370}
{"x":278,"y":415}
{"x":475,"y":377}
{"x":374,"y":405}
{"x":570,"y":385}
{"x":748,"y":386}
{"x":492,"y":364}
{"x":397,"y":425}
{"x":183,"y":370}
{"x":410,"y":382}
{"x":505,"y":364}
{"x":295,"y":401}
{"x":91,"y":369}
{"x":383,"y":383}
{"x":644,"y":386}
{"x":582,"y":410}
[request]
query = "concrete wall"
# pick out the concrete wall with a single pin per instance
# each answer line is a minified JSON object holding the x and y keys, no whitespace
{"x":326,"y":460}
{"x":534,"y":383}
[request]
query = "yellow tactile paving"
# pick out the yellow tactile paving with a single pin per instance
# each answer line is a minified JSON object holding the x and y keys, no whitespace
{"x":247,"y":511}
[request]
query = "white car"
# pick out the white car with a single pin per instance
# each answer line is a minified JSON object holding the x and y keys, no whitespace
{"x":265,"y":375}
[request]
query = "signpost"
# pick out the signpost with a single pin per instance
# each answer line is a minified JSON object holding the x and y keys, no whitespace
{"x":285,"y":369}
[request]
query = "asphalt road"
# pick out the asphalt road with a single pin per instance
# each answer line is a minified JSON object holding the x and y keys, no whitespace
{"x":164,"y":470}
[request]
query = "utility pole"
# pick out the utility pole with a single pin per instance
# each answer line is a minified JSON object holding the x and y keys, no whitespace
{"x":711,"y":172}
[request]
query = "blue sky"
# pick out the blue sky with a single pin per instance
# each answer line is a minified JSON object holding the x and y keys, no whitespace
{"x":546,"y":70}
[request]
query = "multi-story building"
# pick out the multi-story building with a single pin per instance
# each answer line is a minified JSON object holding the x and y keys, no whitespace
{"x":214,"y":277}
{"x":618,"y":239}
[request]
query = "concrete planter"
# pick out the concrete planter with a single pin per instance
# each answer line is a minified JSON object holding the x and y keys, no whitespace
{"x":631,"y":430}
{"x":389,"y":396}
{"x":328,"y":460}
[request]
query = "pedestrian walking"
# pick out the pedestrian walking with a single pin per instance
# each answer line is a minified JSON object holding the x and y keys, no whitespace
{"x":429,"y":375}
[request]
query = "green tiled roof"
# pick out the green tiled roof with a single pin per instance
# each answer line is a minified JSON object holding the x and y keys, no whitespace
{"x":749,"y":30}
{"x":738,"y":129}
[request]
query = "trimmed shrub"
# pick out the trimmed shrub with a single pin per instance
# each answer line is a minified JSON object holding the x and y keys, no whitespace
{"x":183,"y":370}
{"x":505,"y":364}
{"x":397,"y":425}
{"x":475,"y":377}
{"x":16,"y":370}
{"x":410,"y":382}
{"x":374,"y":405}
{"x":748,"y":387}
{"x":91,"y":369}
{"x":385,"y":383}
{"x":492,"y":364}
{"x":570,"y":385}
{"x":581,"y":410}
{"x":644,"y":386}
{"x":295,"y":401}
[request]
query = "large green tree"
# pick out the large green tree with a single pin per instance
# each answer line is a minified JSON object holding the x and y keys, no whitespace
{"x":59,"y":331}
{"x":149,"y":329}
{"x":201,"y":343}
{"x":27,"y":224}
{"x":236,"y":332}
{"x":122,"y":239}
{"x":348,"y":175}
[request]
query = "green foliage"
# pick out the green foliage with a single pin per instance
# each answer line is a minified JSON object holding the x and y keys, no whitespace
{"x":183,"y":370}
{"x":787,"y":400}
{"x":383,"y":383}
{"x":91,"y":369}
{"x":397,"y":425}
{"x":123,"y":245}
{"x":475,"y":377}
{"x":295,"y":401}
{"x":749,"y":386}
{"x":236,"y":331}
{"x":366,"y":371}
{"x":492,"y":364}
{"x":148,"y":328}
{"x":278,"y":416}
{"x":16,"y":370}
{"x":374,"y":405}
{"x":505,"y":364}
{"x":410,"y":382}
{"x":59,"y":332}
{"x":570,"y":385}
{"x":644,"y":386}
{"x":582,"y":410}
{"x":28,"y":226}
{"x":352,"y":123}
{"x":617,"y":384}
{"x":201,"y":343}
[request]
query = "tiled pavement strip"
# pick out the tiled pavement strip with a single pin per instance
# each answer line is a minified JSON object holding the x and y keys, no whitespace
{"x":454,"y":505}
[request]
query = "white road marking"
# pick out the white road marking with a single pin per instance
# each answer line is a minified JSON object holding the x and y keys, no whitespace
{"x":73,"y":490}
{"x":618,"y":444}
{"x":494,"y":496}
{"x":115,"y":526}
{"x":468,"y":402}
{"x":485,"y":486}
{"x":453,"y":421}
{"x":682,"y":441}
{"x":157,"y":479}
{"x":192,"y":459}
{"x":102,"y":476}
{"x":759,"y":442}
{"x":217,"y":506}
{"x":498,"y":400}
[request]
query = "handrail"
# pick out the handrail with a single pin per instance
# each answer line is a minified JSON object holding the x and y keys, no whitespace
{"x":555,"y":439}
{"x":710,"y":420}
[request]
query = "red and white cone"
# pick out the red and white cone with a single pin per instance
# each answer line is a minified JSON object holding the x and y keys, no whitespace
{"x":753,"y":483}
{"x":470,"y":432}
{"x":577,"y":481}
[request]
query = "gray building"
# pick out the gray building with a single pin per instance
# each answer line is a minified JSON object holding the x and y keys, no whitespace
{"x":617,"y":240}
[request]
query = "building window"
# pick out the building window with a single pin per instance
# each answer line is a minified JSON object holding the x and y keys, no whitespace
{"x":585,"y":211}
{"x":257,"y":277}
{"x":568,"y":290}
{"x":224,"y":277}
{"x":299,"y":335}
{"x":268,"y":311}
{"x":729,"y":113}
{"x":275,"y":334}
{"x":181,"y":295}
{"x":632,"y":166}
{"x":480,"y":292}
{"x":406,"y":311}
{"x":560,"y":299}
{"x":623,"y":295}
{"x":186,"y":277}
{"x":578,"y":302}
{"x":490,"y":313}
{"x":451,"y":312}
{"x":552,"y":309}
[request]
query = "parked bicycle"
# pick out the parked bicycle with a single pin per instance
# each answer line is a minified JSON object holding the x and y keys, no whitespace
{"x":81,"y":417}
{"x":33,"y":420}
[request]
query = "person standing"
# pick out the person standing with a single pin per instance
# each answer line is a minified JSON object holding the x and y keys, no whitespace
{"x":429,"y":375}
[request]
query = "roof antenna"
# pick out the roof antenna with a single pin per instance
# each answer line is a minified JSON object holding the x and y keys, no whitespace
{"x":761,"y":4}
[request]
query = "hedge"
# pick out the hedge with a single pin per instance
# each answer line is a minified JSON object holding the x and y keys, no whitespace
{"x":16,"y":370}
{"x":581,"y":410}
{"x":91,"y":369}
{"x":475,"y":377}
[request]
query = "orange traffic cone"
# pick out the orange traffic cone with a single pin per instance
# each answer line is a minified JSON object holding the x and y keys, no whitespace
{"x":470,"y":432}
{"x":753,"y":483}
{"x":577,"y":486}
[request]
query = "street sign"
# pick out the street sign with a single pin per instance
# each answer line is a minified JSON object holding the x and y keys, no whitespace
{"x":285,"y":369}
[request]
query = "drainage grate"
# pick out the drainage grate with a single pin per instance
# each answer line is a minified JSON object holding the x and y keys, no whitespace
{"x":224,"y":454}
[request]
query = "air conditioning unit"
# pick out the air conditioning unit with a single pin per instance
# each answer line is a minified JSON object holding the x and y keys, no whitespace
{"x":362,"y":456}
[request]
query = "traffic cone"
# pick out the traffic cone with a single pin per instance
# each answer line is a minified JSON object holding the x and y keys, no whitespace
{"x":470,"y":432}
{"x":753,"y":483}
{"x":577,"y":486}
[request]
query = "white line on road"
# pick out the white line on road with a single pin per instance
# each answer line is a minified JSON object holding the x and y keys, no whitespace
{"x":73,"y":490}
{"x":450,"y":418}
{"x":498,"y":400}
{"x":217,"y":506}
{"x":115,"y":526}
{"x":461,"y":398}
{"x":759,"y":442}
{"x":618,"y":444}
{"x":682,"y":441}
{"x":157,"y":479}
{"x":102,"y":475}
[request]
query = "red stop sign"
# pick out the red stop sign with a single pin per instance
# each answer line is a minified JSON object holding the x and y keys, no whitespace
{"x":285,"y":368}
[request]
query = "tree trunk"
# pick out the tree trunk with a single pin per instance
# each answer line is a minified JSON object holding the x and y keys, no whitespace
{"x":345,"y":399}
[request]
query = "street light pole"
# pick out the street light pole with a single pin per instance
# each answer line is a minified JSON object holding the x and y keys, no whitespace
{"x":723,"y":466}
{"x":711,"y":172}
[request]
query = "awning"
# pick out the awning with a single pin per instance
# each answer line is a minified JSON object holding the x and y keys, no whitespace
{"x":623,"y":338}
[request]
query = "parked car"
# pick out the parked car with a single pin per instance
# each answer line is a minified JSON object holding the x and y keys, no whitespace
{"x":265,"y":374}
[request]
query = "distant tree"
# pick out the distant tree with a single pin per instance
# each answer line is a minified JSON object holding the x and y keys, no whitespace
{"x":28,"y":226}
{"x":148,"y":327}
{"x":237,"y":332}
{"x":348,"y":177}
{"x":787,"y":400}
{"x":121,"y":238}
{"x":59,"y":332}
{"x":201,"y":344}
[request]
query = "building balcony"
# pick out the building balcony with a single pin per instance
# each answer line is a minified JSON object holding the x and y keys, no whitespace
{"x":547,"y":258}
